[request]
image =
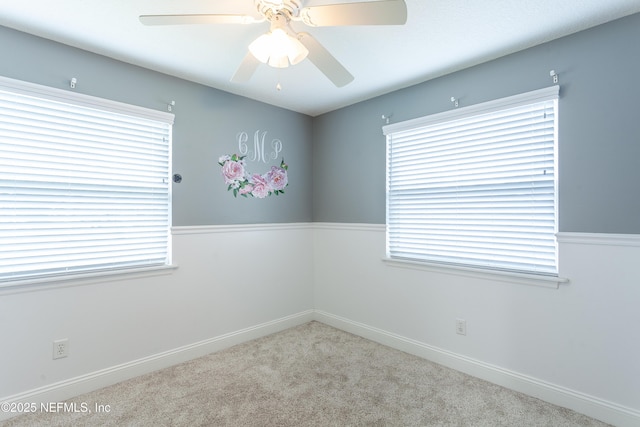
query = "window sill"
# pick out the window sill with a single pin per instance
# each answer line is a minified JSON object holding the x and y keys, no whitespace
{"x":63,"y":281}
{"x":479,"y":273}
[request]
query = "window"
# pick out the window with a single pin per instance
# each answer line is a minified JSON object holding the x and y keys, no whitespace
{"x":84,"y":184}
{"x":476,"y":186}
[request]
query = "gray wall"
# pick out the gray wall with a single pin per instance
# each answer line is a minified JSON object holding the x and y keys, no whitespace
{"x":599,"y":129}
{"x":206,"y":124}
{"x":337,"y":160}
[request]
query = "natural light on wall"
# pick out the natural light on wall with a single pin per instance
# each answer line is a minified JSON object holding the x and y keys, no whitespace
{"x":476,"y":186}
{"x":84,"y":184}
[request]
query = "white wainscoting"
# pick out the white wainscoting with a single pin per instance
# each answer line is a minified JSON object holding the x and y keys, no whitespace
{"x":232,"y":284}
{"x":575,"y":346}
{"x":69,"y":388}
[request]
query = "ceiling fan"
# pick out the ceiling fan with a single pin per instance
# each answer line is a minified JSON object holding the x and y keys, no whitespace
{"x":282,"y":46}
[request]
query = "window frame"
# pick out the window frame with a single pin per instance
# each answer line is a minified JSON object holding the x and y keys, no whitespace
{"x":95,"y":103}
{"x":527,"y":277}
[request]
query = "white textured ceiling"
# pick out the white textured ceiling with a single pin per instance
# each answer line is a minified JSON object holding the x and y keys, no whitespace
{"x":440,"y":36}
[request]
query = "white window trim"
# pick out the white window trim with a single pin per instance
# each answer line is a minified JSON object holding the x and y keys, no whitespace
{"x":510,"y":101}
{"x":532,"y":278}
{"x":479,"y":273}
{"x":73,"y":279}
{"x":81,"y":279}
{"x":61,"y":95}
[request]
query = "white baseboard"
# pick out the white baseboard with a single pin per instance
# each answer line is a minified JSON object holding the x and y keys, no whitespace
{"x":591,"y":406}
{"x":67,"y":389}
{"x":606,"y":411}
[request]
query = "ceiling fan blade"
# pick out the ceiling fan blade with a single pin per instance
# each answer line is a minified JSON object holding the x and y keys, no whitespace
{"x":383,"y":12}
{"x":325,"y":62}
{"x":197,"y":19}
{"x":247,"y":67}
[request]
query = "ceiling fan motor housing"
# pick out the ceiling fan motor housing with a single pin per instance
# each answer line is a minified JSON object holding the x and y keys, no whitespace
{"x":269,"y":8}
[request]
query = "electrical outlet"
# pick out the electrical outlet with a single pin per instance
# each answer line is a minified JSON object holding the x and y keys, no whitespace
{"x":461,"y":327}
{"x":60,"y":348}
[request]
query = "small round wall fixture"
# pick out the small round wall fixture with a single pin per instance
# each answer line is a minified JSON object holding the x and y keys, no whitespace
{"x":177,"y":178}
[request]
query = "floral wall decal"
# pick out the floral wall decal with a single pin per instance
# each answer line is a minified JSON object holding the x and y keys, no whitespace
{"x":245,"y":183}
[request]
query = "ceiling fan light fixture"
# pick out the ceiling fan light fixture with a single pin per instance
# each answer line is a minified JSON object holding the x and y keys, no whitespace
{"x":282,"y":46}
{"x":278,"y":49}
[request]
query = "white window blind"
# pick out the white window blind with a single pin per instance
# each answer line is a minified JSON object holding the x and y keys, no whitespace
{"x":84,"y":183}
{"x":476,"y":186}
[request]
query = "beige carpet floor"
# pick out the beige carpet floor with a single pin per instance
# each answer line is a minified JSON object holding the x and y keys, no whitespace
{"x":310,"y":375}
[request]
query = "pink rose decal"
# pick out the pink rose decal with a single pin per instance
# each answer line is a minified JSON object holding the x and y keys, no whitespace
{"x":277,"y":178}
{"x":232,"y":171}
{"x":247,"y":189}
{"x":241,"y":182}
{"x":261,"y":187}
